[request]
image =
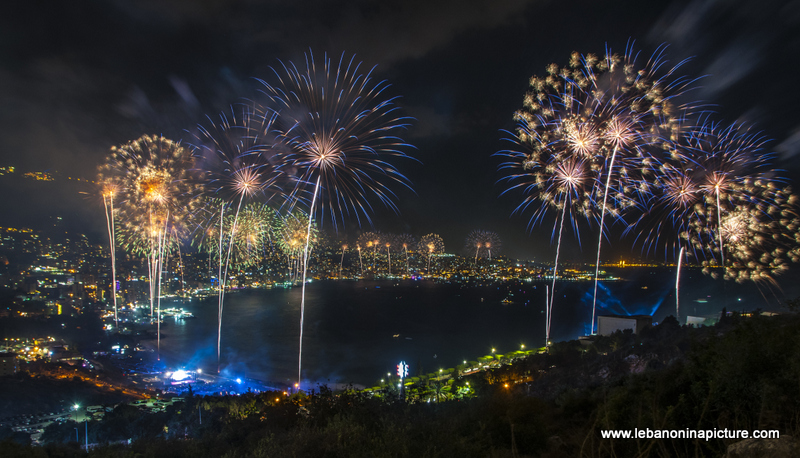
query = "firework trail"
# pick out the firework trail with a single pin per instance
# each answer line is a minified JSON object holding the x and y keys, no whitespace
{"x":406,"y":241}
{"x":548,"y":307}
{"x":238,"y":159}
{"x":678,"y":285}
{"x":492,"y":245}
{"x":432,"y":244}
{"x":389,"y":258}
{"x":478,"y":247}
{"x":108,"y":189}
{"x":360,"y":262}
{"x":341,"y":261}
{"x":154,"y":236}
{"x":180,"y":266}
{"x":341,"y":132}
{"x":388,"y":242}
{"x":376,"y":245}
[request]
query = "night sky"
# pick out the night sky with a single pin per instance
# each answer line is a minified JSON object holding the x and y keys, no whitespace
{"x":78,"y":78}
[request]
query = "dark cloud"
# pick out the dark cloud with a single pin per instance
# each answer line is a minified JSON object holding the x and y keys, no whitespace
{"x":379,"y":31}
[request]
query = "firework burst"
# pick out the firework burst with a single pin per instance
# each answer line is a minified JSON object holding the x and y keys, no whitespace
{"x":254,"y":236}
{"x":341,"y":132}
{"x":711,"y":186}
{"x":603,"y":111}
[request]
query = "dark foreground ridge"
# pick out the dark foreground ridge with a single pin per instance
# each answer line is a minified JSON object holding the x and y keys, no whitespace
{"x":740,"y":374}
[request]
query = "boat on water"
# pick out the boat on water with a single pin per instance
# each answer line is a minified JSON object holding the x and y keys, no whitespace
{"x":176,"y":312}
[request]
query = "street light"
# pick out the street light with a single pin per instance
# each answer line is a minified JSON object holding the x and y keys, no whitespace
{"x":85,"y":425}
{"x":402,"y":372}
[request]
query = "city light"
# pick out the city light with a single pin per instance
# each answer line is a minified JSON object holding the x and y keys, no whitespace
{"x":180,"y":375}
{"x":402,"y":369}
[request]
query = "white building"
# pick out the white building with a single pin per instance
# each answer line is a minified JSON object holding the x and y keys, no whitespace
{"x":8,"y":364}
{"x":608,"y":324}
